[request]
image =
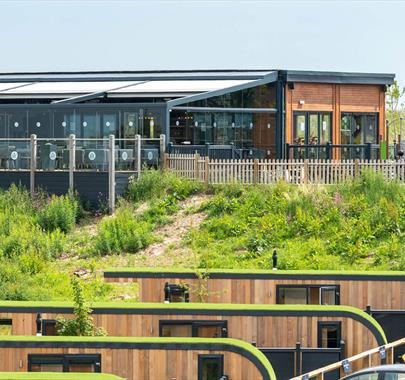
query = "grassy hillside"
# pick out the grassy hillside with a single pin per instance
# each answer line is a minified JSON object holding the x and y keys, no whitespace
{"x":356,"y":225}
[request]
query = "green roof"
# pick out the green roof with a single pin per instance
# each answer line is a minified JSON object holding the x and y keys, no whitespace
{"x":56,"y":376}
{"x":258,"y":271}
{"x":215,"y":307}
{"x":231,"y":343}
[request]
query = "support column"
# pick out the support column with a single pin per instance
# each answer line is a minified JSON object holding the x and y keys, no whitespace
{"x":138,"y":164}
{"x":33,"y":163}
{"x":111,"y":173}
{"x":162,"y":149}
{"x":72,"y":160}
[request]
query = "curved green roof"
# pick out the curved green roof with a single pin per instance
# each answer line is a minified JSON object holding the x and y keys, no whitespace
{"x":258,"y":271}
{"x":207,"y":308}
{"x":56,"y":376}
{"x":216,"y":344}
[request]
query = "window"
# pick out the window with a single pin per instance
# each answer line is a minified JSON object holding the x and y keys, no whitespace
{"x":358,"y":129}
{"x":210,"y":367}
{"x":312,"y":128}
{"x":176,"y":293}
{"x":64,"y":363}
{"x":329,"y":334}
{"x":308,"y":294}
{"x":49,"y":327}
{"x":197,"y":329}
{"x":6,"y":327}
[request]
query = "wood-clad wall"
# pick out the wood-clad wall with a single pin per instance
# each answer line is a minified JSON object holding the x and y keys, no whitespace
{"x":266,"y":331}
{"x":334,"y":98}
{"x":139,"y":364}
{"x":380,"y":295}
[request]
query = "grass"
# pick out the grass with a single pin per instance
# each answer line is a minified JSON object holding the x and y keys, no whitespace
{"x":355,"y":226}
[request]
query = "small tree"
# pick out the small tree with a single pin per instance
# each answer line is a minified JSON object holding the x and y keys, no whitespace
{"x":394,"y":96}
{"x":82,"y":324}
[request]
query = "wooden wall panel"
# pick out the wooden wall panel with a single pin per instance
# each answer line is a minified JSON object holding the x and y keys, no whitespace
{"x":334,"y":98}
{"x":266,"y":330}
{"x":357,"y":293}
{"x":139,"y":364}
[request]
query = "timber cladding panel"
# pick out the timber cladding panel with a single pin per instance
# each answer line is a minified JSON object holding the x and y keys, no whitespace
{"x":268,"y":326}
{"x":378,"y":290}
{"x":335,"y":98}
{"x":137,"y":359}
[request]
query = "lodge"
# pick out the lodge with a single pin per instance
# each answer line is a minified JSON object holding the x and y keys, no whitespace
{"x":293,"y":338}
{"x":134,"y":358}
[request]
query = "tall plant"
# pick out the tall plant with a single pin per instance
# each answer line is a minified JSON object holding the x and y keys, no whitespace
{"x":82,"y":324}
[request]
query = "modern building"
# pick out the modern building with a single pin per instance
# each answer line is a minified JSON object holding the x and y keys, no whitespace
{"x":242,"y":113}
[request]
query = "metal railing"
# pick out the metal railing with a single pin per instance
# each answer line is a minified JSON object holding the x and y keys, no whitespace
{"x":384,"y":354}
{"x":74,"y":154}
{"x":329,"y":151}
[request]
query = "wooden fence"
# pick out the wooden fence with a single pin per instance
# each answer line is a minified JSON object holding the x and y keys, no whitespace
{"x":271,"y":171}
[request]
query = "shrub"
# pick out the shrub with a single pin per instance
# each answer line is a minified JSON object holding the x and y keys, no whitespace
{"x":122,"y":233}
{"x":59,"y":213}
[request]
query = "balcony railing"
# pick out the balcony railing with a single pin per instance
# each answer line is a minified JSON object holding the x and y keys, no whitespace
{"x":329,"y":151}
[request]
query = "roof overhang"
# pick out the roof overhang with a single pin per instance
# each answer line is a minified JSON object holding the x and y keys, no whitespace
{"x":336,"y":77}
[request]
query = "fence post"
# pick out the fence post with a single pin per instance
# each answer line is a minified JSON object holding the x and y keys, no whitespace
{"x":138,"y":154}
{"x":356,"y":167}
{"x":33,"y":163}
{"x":297,"y":359}
{"x":111,"y":173}
{"x":255,"y":171}
{"x":165,"y":161}
{"x":306,"y":171}
{"x":162,"y":149}
{"x":207,"y":171}
{"x":196,"y":167}
{"x":72,"y":160}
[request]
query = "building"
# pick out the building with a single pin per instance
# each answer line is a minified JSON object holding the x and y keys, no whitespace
{"x":230,"y":113}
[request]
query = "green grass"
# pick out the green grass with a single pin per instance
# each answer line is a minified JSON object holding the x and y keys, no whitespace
{"x":357,"y":225}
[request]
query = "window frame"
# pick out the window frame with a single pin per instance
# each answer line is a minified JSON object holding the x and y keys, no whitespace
{"x":7,"y":322}
{"x":201,"y":358}
{"x":307,"y":114}
{"x":45,"y":323}
{"x":195,"y":324}
{"x":322,"y":324}
{"x":350,"y":115}
{"x":307,"y":287}
{"x":64,"y":360}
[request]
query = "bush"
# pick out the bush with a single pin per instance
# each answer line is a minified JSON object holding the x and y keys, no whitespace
{"x":122,"y":233}
{"x":59,"y":213}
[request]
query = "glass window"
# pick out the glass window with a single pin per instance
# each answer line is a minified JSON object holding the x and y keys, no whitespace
{"x":64,"y":363}
{"x":6,"y":327}
{"x":314,"y":295}
{"x":39,"y":123}
{"x":152,"y":123}
{"x":49,"y":327}
{"x":179,"y":330}
{"x":366,"y":376}
{"x":200,"y":329}
{"x":17,"y":123}
{"x":210,"y":367}
{"x":293,"y":295}
{"x":358,"y":128}
{"x":65,"y":122}
{"x":329,"y":334}
{"x":109,"y":124}
{"x":299,"y":129}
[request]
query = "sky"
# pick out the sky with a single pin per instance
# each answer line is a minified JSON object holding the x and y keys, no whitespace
{"x":362,"y":36}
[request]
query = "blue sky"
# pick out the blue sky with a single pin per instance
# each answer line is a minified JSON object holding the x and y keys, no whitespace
{"x":367,"y":36}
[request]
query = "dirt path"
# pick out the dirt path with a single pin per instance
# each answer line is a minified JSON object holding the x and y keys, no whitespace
{"x":171,"y":234}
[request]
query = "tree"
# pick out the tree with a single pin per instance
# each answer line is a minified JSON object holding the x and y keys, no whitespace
{"x":394,"y":107}
{"x":82,"y":324}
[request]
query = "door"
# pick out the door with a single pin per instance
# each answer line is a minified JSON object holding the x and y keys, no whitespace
{"x":210,"y":367}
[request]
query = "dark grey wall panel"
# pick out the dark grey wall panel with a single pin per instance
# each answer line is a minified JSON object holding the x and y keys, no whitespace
{"x":121,"y":182}
{"x":53,"y":182}
{"x":18,"y":178}
{"x":92,"y":186}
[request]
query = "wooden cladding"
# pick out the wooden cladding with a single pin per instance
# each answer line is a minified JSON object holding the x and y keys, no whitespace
{"x":380,"y":295}
{"x":334,"y":98}
{"x":139,"y":364}
{"x":266,"y":328}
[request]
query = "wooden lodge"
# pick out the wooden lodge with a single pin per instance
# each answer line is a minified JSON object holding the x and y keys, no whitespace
{"x":135,"y":358}
{"x":324,"y":334}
